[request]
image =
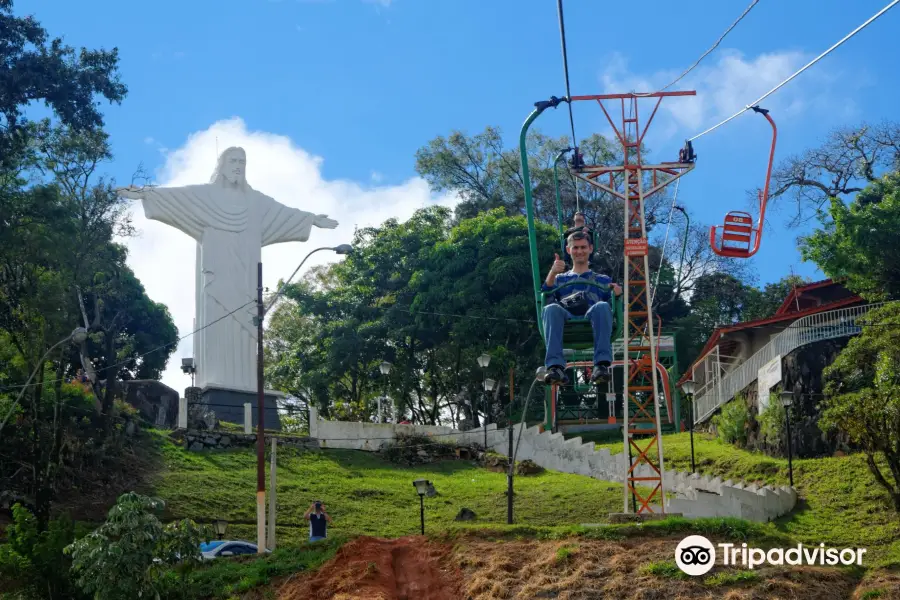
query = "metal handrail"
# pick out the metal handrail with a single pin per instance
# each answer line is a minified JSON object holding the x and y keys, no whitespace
{"x":826,"y":325}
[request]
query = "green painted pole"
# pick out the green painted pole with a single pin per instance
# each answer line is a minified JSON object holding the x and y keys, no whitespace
{"x":529,"y":212}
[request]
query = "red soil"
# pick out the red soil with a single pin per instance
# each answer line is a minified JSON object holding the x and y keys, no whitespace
{"x":408,"y":568}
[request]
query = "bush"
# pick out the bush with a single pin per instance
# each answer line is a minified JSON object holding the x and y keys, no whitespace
{"x":731,"y":423}
{"x":127,"y":557}
{"x":32,"y":563}
{"x":771,"y":425}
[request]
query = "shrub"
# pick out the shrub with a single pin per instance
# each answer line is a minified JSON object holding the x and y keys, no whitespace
{"x":32,"y":563}
{"x":732,"y":421}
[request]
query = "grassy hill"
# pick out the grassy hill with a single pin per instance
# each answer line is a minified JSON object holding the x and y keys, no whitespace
{"x":840,"y":504}
{"x":369,"y":496}
{"x":366,"y":495}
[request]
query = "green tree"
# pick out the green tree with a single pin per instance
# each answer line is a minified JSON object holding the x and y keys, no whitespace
{"x":37,"y":69}
{"x":849,"y":159}
{"x":126,"y":557}
{"x":862,"y":395}
{"x":860,"y":241}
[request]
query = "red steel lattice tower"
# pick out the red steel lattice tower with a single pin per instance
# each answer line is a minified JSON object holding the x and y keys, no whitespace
{"x":633,"y":182}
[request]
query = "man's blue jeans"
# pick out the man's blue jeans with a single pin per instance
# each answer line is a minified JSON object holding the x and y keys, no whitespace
{"x":555,"y":317}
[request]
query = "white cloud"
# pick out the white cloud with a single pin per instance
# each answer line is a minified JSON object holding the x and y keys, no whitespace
{"x":163,"y":258}
{"x":383,"y":3}
{"x":725,"y":83}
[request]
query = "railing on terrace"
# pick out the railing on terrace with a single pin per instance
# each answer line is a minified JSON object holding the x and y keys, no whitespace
{"x":717,"y":384}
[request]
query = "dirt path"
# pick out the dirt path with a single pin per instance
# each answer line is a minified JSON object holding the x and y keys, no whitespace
{"x":474,"y":568}
{"x":409,"y":568}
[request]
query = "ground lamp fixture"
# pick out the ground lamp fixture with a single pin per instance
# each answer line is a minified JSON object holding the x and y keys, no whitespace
{"x":787,"y":399}
{"x":423,"y":486}
{"x":688,"y":388}
{"x":220,"y":525}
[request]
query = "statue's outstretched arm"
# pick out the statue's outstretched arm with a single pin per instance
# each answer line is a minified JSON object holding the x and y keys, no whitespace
{"x":131,"y":192}
{"x":324,"y":222}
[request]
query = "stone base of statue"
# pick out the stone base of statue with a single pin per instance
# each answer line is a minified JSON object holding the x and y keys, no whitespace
{"x":228,"y":405}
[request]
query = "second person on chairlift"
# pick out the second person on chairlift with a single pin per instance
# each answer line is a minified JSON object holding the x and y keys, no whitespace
{"x":581,"y":301}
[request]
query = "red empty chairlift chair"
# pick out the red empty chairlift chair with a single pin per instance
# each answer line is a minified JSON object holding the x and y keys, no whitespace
{"x":739,"y":238}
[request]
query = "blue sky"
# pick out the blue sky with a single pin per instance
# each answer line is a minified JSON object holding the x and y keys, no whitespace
{"x":350,"y":89}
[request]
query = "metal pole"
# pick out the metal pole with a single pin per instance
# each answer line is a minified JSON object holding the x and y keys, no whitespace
{"x":787,"y":417}
{"x":272,"y":498}
{"x":509,"y":477}
{"x":691,"y":405}
{"x":260,"y":428}
{"x":484,"y":407}
{"x":422,"y":512}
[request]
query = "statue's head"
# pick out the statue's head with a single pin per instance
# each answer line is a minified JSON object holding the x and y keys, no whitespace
{"x":231,"y":168}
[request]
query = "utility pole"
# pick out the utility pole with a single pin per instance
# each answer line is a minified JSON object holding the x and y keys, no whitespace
{"x":260,"y":428}
{"x":509,"y":477}
{"x":272,"y":498}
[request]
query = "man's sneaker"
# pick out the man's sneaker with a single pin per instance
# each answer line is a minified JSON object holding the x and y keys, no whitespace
{"x":600,"y":374}
{"x":556,"y":374}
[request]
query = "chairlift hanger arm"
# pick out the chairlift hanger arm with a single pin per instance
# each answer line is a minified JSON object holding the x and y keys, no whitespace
{"x":738,"y":226}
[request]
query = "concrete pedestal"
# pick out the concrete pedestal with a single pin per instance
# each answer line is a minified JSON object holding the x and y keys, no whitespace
{"x":228,"y":404}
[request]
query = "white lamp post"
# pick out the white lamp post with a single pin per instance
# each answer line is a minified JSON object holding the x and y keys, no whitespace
{"x":386,"y":370}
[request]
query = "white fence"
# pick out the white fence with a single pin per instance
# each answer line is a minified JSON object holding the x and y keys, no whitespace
{"x":718,"y":385}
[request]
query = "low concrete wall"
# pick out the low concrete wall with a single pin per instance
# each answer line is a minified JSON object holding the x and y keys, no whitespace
{"x":696,"y":496}
{"x":374,"y":436}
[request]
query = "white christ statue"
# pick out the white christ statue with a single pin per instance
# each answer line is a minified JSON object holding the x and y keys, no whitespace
{"x":231,"y":223}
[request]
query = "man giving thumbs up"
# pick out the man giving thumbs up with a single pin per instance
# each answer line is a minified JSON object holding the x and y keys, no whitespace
{"x":577,"y":300}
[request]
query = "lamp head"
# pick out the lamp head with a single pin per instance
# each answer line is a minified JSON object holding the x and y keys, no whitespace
{"x":422,"y":486}
{"x":220,"y":526}
{"x":79,"y":335}
{"x":385,"y":367}
{"x":484,"y":360}
{"x":787,"y":398}
{"x":343,"y":249}
{"x":489,"y":384}
{"x":688,"y":387}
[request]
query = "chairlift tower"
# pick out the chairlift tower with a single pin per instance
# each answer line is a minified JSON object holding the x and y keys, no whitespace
{"x":633,"y":182}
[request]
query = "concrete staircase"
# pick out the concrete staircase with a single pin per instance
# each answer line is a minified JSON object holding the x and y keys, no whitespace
{"x":695,"y":495}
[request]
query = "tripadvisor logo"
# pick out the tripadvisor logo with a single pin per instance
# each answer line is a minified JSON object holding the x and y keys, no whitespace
{"x":696,"y":555}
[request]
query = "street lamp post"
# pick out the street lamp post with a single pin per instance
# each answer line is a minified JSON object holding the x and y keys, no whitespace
{"x":787,"y":399}
{"x":385,"y":367}
{"x":488,"y":388}
{"x":261,"y":311}
{"x":688,"y":388}
{"x":483,"y":361}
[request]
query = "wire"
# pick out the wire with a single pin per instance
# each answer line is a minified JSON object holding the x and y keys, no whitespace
{"x":714,"y":46}
{"x":808,"y":65}
{"x":665,"y":242}
{"x":562,"y":35}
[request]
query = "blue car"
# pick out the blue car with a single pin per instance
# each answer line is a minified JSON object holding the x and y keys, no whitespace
{"x":225,"y":548}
